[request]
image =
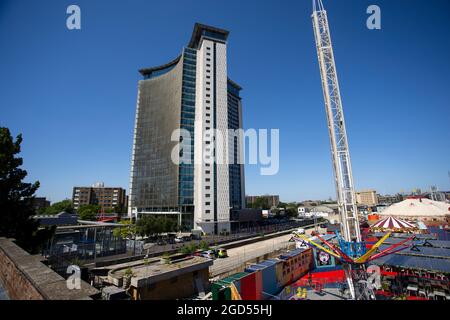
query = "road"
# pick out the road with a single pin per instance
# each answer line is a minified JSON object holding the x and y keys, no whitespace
{"x":240,"y":255}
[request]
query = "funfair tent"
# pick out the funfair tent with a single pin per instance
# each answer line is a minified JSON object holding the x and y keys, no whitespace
{"x":393,"y":224}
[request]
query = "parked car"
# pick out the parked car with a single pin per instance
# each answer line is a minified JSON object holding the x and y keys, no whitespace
{"x":222,"y":253}
{"x":209,"y":254}
{"x":179,"y":240}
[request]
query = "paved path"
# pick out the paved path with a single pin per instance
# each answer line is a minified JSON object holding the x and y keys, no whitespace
{"x":240,"y":255}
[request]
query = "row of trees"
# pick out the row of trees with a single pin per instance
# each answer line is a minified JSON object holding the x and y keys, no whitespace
{"x":260,"y":203}
{"x":57,"y":207}
{"x":263,"y":203}
{"x":151,"y":225}
{"x":86,"y":212}
{"x":146,"y":226}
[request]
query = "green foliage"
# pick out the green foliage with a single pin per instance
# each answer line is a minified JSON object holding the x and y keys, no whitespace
{"x":89,"y":212}
{"x":119,"y":209}
{"x":189,"y":248}
{"x":128,"y":272}
{"x":16,"y":196}
{"x":166,"y":258}
{"x":282,"y":204}
{"x":127,"y":231}
{"x":291,"y":212}
{"x":77,"y":262}
{"x":261,"y":203}
{"x":204,"y":245}
{"x":57,"y":207}
{"x":151,"y":225}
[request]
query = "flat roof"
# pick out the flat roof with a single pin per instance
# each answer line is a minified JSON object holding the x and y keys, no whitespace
{"x":420,"y":250}
{"x":155,"y":270}
{"x":415,"y":262}
{"x":198,"y":30}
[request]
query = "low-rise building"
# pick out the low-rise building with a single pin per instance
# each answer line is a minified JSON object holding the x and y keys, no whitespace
{"x":320,"y":211}
{"x":388,"y":199}
{"x":40,"y":203}
{"x":179,"y":277}
{"x":272,"y":200}
{"x":61,"y":219}
{"x":301,"y":211}
{"x":367,"y":197}
{"x":108,"y":198}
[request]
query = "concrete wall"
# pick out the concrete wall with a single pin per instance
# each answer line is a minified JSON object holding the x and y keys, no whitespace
{"x":182,"y":286}
{"x":25,"y":277}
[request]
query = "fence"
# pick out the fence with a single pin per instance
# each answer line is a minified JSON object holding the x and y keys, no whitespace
{"x":239,"y":260}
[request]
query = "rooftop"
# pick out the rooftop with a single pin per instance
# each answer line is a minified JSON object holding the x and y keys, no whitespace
{"x":200,"y":30}
{"x":147,"y":71}
{"x":207,"y":31}
{"x":155,"y":270}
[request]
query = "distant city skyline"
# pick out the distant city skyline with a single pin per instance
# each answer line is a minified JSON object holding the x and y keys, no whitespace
{"x":72,"y":93}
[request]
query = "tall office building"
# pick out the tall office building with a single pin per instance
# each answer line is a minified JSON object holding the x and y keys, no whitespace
{"x":192,"y":93}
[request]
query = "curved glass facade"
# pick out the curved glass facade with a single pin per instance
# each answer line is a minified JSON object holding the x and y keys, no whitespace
{"x":186,"y":170}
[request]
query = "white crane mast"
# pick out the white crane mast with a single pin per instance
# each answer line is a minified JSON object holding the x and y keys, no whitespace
{"x":336,"y":126}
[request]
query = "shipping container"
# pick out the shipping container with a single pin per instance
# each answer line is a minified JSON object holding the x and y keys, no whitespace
{"x":221,"y":288}
{"x":295,"y":264}
{"x":251,"y":286}
{"x":278,"y":272}
{"x":269,"y":279}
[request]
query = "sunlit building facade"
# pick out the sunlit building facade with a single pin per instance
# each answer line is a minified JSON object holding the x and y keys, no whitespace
{"x":191,"y":93}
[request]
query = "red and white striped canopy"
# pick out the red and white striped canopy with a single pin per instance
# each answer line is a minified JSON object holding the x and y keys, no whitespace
{"x":393,"y":223}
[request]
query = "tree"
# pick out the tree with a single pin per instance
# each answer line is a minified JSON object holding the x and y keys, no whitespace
{"x":127,"y":231}
{"x":57,"y":207}
{"x":282,"y":204}
{"x":150,"y":225}
{"x":89,"y":212}
{"x":189,"y":248}
{"x":292,"y":212}
{"x":261,"y":203}
{"x":204,"y":245}
{"x":16,"y":197}
{"x":120,"y":209}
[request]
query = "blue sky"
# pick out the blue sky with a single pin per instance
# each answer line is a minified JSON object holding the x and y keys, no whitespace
{"x":73,"y":93}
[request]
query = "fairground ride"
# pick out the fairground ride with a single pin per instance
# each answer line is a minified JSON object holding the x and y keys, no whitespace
{"x":351,"y":249}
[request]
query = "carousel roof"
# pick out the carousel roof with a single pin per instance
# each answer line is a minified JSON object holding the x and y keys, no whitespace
{"x":393,"y":223}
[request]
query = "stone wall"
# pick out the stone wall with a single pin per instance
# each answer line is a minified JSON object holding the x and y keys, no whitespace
{"x":25,"y":277}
